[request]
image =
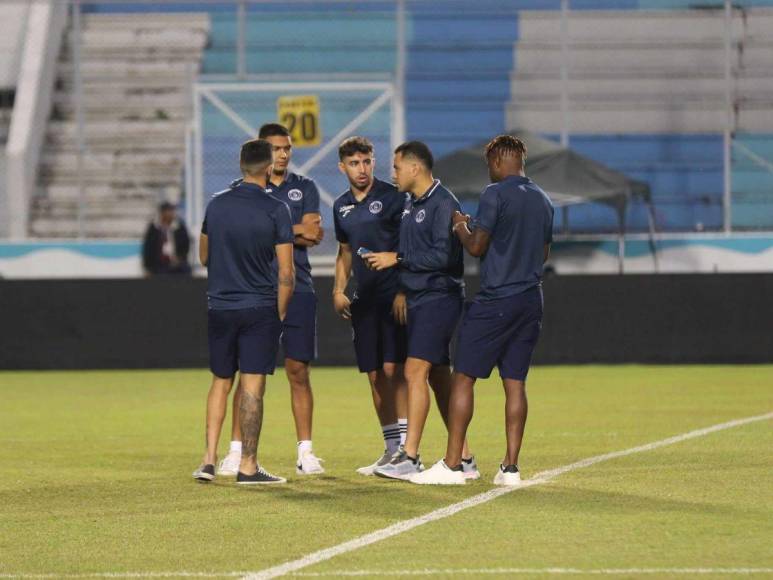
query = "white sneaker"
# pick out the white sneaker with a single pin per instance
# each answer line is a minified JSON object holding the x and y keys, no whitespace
{"x":400,"y":466}
{"x":230,"y":465}
{"x":309,"y":464}
{"x":380,"y":462}
{"x":507,"y":475}
{"x":470,"y":468}
{"x":439,"y":474}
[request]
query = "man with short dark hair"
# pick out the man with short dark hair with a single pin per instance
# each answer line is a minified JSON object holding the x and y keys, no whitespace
{"x":431,"y":269}
{"x":166,"y":243}
{"x":246,"y":246}
{"x":511,"y":233}
{"x":299,"y":330}
{"x":367,"y":219}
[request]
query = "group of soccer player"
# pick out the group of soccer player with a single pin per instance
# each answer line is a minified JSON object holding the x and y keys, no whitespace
{"x":403,"y":244}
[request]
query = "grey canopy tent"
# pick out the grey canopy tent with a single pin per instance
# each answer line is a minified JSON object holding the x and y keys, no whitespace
{"x":566,"y":176}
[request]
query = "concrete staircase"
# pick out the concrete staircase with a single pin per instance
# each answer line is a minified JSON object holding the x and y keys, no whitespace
{"x":643,"y":72}
{"x":136,"y":75}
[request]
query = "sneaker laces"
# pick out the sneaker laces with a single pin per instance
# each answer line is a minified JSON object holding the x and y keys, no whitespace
{"x":266,"y":473}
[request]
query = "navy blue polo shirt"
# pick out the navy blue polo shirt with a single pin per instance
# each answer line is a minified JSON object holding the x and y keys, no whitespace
{"x":374,"y":224}
{"x":242,"y":225}
{"x":301,"y":196}
{"x":432,"y":265}
{"x":519,"y":218}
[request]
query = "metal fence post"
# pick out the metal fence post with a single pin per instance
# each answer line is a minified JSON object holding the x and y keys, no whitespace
{"x":727,"y":160}
{"x":77,"y":80}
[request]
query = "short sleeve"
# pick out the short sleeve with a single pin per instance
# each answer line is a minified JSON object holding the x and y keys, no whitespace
{"x":340,"y":233}
{"x":486,"y":218}
{"x":549,"y":226}
{"x":283,"y":225}
{"x":311,"y":198}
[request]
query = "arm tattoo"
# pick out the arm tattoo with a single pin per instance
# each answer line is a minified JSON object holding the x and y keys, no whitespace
{"x":251,"y":419}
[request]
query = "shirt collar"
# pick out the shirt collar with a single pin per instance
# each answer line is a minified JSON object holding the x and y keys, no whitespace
{"x":430,"y":191}
{"x":517,"y":179}
{"x":253,"y":187}
{"x":377,"y":187}
{"x":289,"y":176}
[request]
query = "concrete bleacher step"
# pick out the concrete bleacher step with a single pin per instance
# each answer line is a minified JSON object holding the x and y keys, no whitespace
{"x":94,"y":228}
{"x":653,"y":26}
{"x":636,"y":85}
{"x":708,"y":57}
{"x":638,"y":116}
{"x":95,"y":208}
{"x":116,"y":194}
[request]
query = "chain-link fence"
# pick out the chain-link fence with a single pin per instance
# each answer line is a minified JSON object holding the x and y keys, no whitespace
{"x":674,"y":96}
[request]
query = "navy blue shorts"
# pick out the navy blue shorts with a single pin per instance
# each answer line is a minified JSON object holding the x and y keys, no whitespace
{"x":246,"y":340}
{"x":431,"y":327}
{"x":299,"y":329}
{"x":377,"y":336}
{"x":501,"y":332}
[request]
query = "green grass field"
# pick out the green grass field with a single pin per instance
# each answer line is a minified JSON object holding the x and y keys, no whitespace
{"x":96,"y":479}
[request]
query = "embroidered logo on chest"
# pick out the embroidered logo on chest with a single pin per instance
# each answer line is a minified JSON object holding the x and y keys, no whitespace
{"x":295,"y":195}
{"x":375,"y":207}
{"x":345,"y":210}
{"x":420,"y":215}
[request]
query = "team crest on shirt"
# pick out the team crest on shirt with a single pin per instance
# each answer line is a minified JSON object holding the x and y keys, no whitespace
{"x":345,"y":210}
{"x":375,"y":207}
{"x":420,"y":216}
{"x":295,"y":194}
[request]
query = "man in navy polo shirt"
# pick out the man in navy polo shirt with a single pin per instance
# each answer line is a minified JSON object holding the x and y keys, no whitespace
{"x":431,"y":270}
{"x":246,"y":245}
{"x":367,"y":219}
{"x":299,"y":330}
{"x":511,"y":233}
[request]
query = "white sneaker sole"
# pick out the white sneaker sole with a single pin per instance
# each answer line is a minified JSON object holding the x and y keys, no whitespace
{"x":228,"y":473}
{"x":418,"y":481}
{"x":366,"y":471}
{"x":471,"y":475}
{"x":300,"y":471}
{"x":203,"y":476}
{"x":261,"y":482}
{"x":509,"y":482}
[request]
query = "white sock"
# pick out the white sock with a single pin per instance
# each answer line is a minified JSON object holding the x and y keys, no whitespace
{"x":403,"y":423}
{"x":303,"y":447}
{"x":391,"y":437}
{"x":236,"y":447}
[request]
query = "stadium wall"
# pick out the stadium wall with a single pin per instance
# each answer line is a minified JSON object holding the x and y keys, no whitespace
{"x":697,"y":253}
{"x":161,"y":322}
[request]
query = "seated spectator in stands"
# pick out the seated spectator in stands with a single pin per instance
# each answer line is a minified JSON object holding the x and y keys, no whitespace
{"x":166,"y":244}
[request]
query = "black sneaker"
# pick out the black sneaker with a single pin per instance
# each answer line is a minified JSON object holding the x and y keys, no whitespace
{"x":205,"y":472}
{"x":260,"y":477}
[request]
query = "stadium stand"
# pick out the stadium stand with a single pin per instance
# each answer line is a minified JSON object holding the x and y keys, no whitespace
{"x":646,"y":95}
{"x":136,"y":72}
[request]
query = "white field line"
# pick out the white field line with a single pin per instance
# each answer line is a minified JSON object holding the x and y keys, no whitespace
{"x":439,"y":514}
{"x":516,"y":571}
{"x":424,"y":572}
{"x":404,"y":526}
